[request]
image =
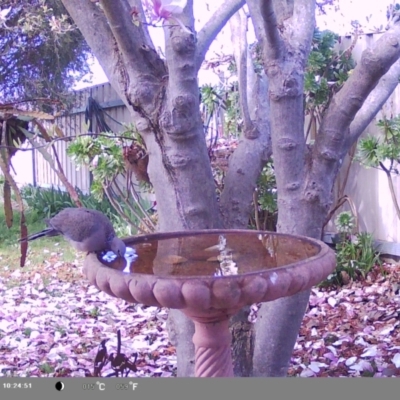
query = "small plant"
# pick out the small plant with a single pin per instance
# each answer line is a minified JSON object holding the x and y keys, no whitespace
{"x":344,"y":223}
{"x":355,"y":254}
{"x":46,"y":368}
{"x":27,"y":332}
{"x":62,"y":331}
{"x":121,"y":364}
{"x":355,"y":257}
{"x":94,"y":312}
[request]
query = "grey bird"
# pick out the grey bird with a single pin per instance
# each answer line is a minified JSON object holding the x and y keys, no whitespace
{"x":86,"y":229}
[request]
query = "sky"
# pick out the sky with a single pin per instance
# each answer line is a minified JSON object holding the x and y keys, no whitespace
{"x":371,"y":14}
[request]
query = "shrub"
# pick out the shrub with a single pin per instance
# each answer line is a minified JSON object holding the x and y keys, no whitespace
{"x":46,"y":202}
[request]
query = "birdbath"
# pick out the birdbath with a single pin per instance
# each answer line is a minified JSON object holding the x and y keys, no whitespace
{"x":210,"y":275}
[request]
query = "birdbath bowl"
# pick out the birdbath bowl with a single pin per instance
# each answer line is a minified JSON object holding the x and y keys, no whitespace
{"x":210,"y":275}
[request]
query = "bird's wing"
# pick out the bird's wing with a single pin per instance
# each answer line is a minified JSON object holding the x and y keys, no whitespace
{"x":79,"y":224}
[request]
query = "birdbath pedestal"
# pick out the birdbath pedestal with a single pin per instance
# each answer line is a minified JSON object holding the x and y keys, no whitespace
{"x":210,"y":275}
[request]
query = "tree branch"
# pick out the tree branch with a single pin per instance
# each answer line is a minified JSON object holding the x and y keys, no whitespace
{"x":131,"y":39}
{"x":5,"y":169}
{"x":61,"y":175}
{"x":332,"y":142}
{"x":375,"y":62}
{"x":248,"y":160}
{"x":149,"y":222}
{"x":211,"y":29}
{"x":374,"y":103}
{"x":180,"y":51}
{"x":143,"y":219}
{"x":58,"y":171}
{"x":303,"y":15}
{"x":94,"y":26}
{"x":266,"y":27}
{"x":180,"y":48}
{"x":238,"y":25}
{"x":119,"y":209}
{"x":392,"y":191}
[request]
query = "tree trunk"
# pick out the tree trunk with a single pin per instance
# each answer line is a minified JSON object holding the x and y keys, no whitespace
{"x":277,"y":327}
{"x":181,"y":331}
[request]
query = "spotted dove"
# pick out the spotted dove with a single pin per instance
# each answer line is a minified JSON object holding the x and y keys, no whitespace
{"x":86,"y":229}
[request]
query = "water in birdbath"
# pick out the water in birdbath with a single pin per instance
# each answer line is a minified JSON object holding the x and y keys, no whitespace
{"x":211,"y":254}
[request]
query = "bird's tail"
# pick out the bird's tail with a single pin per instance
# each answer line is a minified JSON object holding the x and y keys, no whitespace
{"x":37,"y":235}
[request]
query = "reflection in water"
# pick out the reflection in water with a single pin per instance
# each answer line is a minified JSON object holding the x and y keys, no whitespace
{"x":120,"y":263}
{"x":211,"y":254}
{"x":227,"y":265}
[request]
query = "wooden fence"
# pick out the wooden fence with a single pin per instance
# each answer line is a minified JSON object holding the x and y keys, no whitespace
{"x":74,"y":124}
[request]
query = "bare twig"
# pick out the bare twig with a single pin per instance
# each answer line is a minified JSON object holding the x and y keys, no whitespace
{"x":136,"y":197}
{"x":391,"y":188}
{"x":103,"y":42}
{"x":66,"y":138}
{"x":58,"y":170}
{"x":132,"y":209}
{"x":256,"y":216}
{"x":323,"y":3}
{"x":34,"y":99}
{"x":347,"y":173}
{"x":119,"y":210}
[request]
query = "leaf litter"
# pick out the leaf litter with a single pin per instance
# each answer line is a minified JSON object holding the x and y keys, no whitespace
{"x":52,"y":327}
{"x":56,"y":324}
{"x":352,"y":331}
